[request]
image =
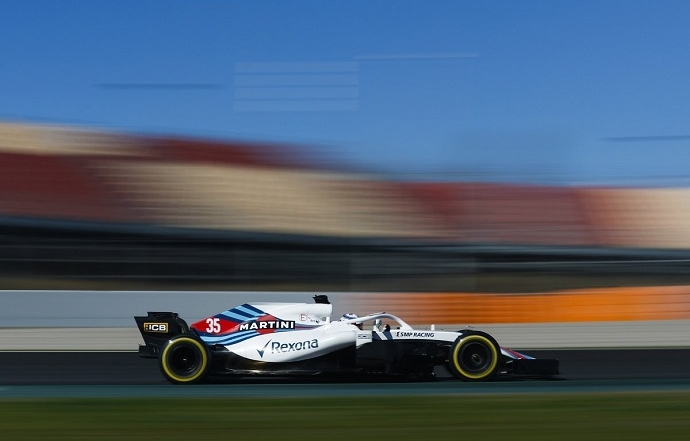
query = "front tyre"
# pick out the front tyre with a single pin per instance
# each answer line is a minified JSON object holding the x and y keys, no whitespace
{"x":184,"y":359}
{"x":474,"y":356}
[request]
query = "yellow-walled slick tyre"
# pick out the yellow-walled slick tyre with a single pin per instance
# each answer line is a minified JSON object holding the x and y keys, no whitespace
{"x":184,"y":359}
{"x":475,"y":356}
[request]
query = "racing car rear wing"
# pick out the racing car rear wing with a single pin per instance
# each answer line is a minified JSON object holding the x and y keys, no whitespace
{"x":156,"y":328}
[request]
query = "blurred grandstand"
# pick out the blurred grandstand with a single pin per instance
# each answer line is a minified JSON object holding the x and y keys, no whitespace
{"x":81,"y":208}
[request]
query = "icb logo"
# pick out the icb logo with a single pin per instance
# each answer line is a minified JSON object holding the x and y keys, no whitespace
{"x":156,"y":327}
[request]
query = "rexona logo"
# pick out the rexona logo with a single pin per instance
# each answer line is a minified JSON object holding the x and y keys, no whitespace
{"x":268,"y":324}
{"x":156,"y":327}
{"x":282,"y":348}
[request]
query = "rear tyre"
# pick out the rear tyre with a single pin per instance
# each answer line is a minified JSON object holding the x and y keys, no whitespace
{"x":474,"y":356}
{"x":184,"y":359}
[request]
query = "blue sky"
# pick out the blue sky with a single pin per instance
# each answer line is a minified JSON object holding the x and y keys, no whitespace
{"x":534,"y":91}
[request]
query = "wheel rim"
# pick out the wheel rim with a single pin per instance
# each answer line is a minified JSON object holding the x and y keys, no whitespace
{"x":184,"y":360}
{"x":475,"y":357}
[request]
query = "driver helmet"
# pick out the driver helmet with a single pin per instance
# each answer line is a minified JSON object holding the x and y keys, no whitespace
{"x":350,"y":316}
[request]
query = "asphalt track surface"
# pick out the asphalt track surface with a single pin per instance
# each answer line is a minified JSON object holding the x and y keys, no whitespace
{"x":119,"y":374}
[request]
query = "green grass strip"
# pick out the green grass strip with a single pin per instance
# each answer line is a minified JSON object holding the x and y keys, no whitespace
{"x":620,"y":416}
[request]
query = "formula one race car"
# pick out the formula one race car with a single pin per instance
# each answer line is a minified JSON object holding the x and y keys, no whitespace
{"x":301,"y":339}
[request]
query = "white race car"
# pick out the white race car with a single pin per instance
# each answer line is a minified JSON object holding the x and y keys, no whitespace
{"x":301,"y":339}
